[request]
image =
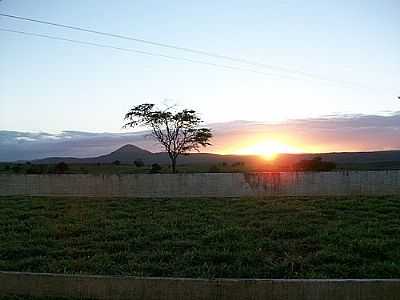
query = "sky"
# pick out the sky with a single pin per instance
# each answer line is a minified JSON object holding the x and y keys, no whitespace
{"x":350,"y":49}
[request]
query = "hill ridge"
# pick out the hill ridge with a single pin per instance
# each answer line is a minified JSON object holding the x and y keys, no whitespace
{"x":128,"y":153}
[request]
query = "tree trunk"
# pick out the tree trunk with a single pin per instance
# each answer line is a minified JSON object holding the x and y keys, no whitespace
{"x":173,"y":164}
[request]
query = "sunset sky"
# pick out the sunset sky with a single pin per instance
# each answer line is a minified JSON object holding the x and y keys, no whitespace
{"x":329,"y":81}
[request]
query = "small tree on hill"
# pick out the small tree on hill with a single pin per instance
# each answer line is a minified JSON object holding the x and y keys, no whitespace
{"x":178,"y":132}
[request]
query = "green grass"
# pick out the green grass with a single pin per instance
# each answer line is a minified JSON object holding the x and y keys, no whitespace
{"x":208,"y":238}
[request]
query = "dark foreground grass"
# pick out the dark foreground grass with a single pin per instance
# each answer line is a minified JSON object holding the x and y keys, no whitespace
{"x":247,"y":238}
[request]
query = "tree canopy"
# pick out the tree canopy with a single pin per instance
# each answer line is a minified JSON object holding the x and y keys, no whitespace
{"x":179,"y":132}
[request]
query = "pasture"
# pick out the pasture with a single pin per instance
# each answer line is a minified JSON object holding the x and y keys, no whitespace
{"x":285,"y":237}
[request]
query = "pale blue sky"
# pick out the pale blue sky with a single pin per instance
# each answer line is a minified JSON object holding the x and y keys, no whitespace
{"x":52,"y":85}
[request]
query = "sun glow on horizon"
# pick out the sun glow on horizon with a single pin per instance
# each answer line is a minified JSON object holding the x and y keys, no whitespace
{"x":269,"y":149}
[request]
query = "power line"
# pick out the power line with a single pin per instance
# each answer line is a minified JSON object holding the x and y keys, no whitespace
{"x":191,"y":50}
{"x":86,"y":43}
{"x":188,"y":60}
{"x":120,"y":36}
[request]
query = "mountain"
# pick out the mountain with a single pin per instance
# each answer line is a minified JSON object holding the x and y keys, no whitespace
{"x":129,"y":153}
{"x":126,"y":154}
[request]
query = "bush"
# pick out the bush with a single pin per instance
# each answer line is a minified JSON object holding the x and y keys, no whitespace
{"x":61,"y":168}
{"x":139,"y":163}
{"x":36,"y":169}
{"x":316,"y":164}
{"x":155,"y":168}
{"x":16,"y":168}
{"x":116,"y":162}
{"x":214,"y":169}
{"x":238,"y":164}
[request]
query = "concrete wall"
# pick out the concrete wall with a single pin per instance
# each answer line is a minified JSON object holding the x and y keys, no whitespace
{"x":118,"y":288}
{"x":205,"y":185}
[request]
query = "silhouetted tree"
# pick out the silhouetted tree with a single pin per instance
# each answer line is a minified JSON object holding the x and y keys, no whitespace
{"x":16,"y":168}
{"x":116,"y":162}
{"x":61,"y":168}
{"x":36,"y":169}
{"x":139,"y":163}
{"x":237,"y":164}
{"x":214,"y":169}
{"x":178,"y":132}
{"x":155,"y":168}
{"x":315,"y":164}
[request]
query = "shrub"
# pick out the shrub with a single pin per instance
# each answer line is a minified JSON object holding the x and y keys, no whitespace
{"x":116,"y":162}
{"x":139,"y":163}
{"x":16,"y":168}
{"x":36,"y":169}
{"x":214,"y":169}
{"x":155,"y":168}
{"x":238,"y":164}
{"x":316,"y":164}
{"x":61,"y":168}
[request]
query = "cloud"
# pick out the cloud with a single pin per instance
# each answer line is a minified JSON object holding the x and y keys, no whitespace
{"x":27,"y":145}
{"x":325,"y":134}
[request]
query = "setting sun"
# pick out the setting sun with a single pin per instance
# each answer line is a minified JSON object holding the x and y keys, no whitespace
{"x":269,"y":149}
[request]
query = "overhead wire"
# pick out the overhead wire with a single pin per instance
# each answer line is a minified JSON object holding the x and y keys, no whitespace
{"x":87,"y":43}
{"x":180,"y":48}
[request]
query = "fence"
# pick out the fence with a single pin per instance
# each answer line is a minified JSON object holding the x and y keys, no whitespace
{"x":205,"y":184}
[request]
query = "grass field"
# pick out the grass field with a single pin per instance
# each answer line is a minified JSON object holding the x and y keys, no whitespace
{"x":246,"y":238}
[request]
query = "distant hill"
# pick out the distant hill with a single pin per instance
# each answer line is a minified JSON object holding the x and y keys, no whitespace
{"x":126,"y":154}
{"x":129,"y":153}
{"x":346,"y":157}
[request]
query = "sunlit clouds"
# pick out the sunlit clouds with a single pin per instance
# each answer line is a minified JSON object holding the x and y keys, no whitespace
{"x":329,"y":134}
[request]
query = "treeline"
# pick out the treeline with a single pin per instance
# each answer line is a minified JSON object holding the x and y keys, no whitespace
{"x":63,"y":168}
{"x":316,"y":165}
{"x":138,"y":166}
{"x":29,"y":168}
